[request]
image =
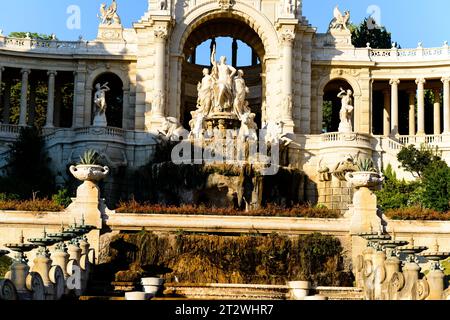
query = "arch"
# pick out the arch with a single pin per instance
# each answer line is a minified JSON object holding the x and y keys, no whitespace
{"x":114,"y":98}
{"x":343,"y":77}
{"x":117,"y":72}
{"x":211,"y":10}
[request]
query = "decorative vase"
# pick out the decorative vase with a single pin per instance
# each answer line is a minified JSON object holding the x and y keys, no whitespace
{"x":89,"y":172}
{"x":367,"y":179}
{"x":152,"y":285}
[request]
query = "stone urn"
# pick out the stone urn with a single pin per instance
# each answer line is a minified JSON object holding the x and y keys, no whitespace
{"x":89,"y":172}
{"x":152,"y":285}
{"x":361,"y":179}
{"x":298,"y":290}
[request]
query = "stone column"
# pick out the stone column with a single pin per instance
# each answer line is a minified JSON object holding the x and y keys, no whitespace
{"x":394,"y":105}
{"x":287,"y":42}
{"x":386,"y":113}
{"x":125,"y":111}
{"x":50,"y":98}
{"x":412,"y":113}
{"x":159,"y":93}
{"x":24,"y":97}
{"x":420,"y":106}
{"x":446,"y":94}
{"x":234,"y":50}
{"x":437,"y":111}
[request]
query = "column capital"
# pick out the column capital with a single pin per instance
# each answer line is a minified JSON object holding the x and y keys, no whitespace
{"x":287,"y":36}
{"x":161,"y":33}
{"x":445,"y":79}
{"x":394,"y":81}
{"x":28,"y":71}
{"x":52,"y":73}
{"x":421,"y":81}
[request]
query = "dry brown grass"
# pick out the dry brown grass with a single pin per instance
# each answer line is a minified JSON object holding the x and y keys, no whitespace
{"x":270,"y":211}
{"x":417,"y":214}
{"x":41,"y":205}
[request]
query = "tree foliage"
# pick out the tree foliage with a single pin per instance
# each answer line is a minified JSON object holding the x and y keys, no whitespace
{"x":436,"y":186}
{"x":28,"y":170}
{"x":32,"y":35}
{"x":379,"y":38}
{"x":416,"y":160}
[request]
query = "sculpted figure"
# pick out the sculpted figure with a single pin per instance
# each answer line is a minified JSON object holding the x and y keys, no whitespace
{"x":205,"y":92}
{"x":240,"y":105}
{"x":340,"y":21}
{"x":224,"y":83}
{"x":248,"y":127}
{"x":346,"y":112}
{"x":197,"y":124}
{"x":100,"y":97}
{"x":109,"y":15}
{"x":172,"y":130}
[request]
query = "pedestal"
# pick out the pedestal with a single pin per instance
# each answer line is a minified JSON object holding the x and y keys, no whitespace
{"x":100,"y":120}
{"x":112,"y":32}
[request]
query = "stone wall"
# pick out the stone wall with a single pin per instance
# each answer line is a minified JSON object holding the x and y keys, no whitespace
{"x":335,"y":194}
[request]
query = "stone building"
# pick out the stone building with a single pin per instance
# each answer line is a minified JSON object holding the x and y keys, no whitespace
{"x":151,"y":72}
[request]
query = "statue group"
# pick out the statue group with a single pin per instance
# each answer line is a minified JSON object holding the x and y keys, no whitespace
{"x":221,"y":93}
{"x":108,"y":15}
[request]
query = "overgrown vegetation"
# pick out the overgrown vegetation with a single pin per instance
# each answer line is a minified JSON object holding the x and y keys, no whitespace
{"x":271,"y":210}
{"x":28,"y":174}
{"x":417,"y":213}
{"x":38,"y":205}
{"x":5,"y":264}
{"x":271,"y":259}
{"x":430,"y":191}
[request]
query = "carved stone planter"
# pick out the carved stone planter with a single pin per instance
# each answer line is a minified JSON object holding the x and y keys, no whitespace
{"x":92,"y":173}
{"x":152,"y":285}
{"x":298,"y":290}
{"x":367,"y":179}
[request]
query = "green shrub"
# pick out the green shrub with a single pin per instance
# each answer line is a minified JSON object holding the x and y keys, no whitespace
{"x":8,"y":196}
{"x":5,"y":264}
{"x":436,"y":186}
{"x":62,"y":198}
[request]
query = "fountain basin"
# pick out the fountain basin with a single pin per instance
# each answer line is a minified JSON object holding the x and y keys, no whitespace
{"x":152,"y":285}
{"x":360,"y":179}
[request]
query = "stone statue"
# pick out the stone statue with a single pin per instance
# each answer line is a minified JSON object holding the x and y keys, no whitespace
{"x":197,"y":124}
{"x":100,"y":103}
{"x":240,"y":105}
{"x":172,"y":130}
{"x":248,"y":127}
{"x":340,"y":21}
{"x":346,"y":112}
{"x":109,"y":15}
{"x":223,"y":74}
{"x":205,"y":93}
{"x":163,"y":5}
{"x":158,"y":103}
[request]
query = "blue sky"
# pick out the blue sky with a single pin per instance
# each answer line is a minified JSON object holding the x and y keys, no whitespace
{"x":410,"y":21}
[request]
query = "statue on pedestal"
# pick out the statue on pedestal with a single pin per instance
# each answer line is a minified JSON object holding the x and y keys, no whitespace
{"x":346,"y":112}
{"x":100,"y":103}
{"x":205,"y":93}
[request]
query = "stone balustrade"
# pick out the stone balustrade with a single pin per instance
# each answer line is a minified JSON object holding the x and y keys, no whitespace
{"x":66,"y":47}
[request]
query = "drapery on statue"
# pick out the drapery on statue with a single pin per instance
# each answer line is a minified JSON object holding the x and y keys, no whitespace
{"x":109,"y":15}
{"x":340,"y":21}
{"x":223,"y":74}
{"x":100,"y":97}
{"x":240,"y":105}
{"x":346,"y":112}
{"x":205,"y":92}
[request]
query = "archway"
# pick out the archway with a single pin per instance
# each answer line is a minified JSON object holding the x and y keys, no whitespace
{"x":114,"y":98}
{"x":203,"y":37}
{"x":332,"y":104}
